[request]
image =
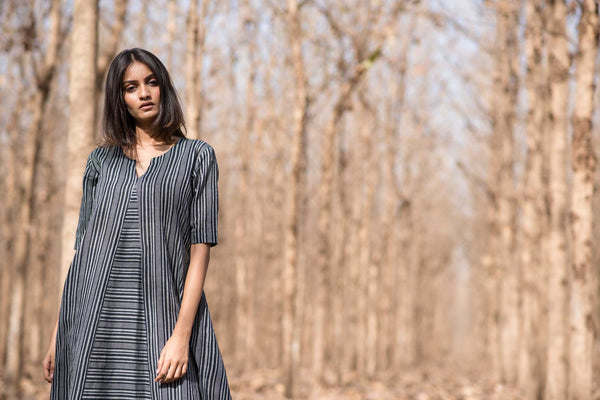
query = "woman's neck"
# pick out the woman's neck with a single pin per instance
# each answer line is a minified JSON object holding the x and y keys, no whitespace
{"x":144,"y":139}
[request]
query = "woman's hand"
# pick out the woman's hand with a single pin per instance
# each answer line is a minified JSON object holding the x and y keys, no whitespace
{"x":173,"y":360}
{"x":48,"y":363}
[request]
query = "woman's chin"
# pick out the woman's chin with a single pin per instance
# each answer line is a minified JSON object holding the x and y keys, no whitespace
{"x":146,"y":122}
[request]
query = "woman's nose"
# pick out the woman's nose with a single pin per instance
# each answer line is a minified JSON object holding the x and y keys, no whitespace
{"x":144,"y":92}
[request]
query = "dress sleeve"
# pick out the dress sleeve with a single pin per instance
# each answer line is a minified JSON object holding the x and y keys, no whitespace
{"x":205,"y":198}
{"x":90,"y":179}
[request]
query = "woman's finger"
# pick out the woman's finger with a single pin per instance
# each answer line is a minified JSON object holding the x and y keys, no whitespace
{"x":47,"y":371}
{"x":160,"y":363}
{"x":48,"y":365}
{"x":178,"y":371}
{"x":171,"y":373}
{"x":184,"y":369}
{"x":162,"y":371}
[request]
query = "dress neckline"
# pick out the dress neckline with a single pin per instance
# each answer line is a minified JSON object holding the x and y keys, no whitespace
{"x":151,"y":159}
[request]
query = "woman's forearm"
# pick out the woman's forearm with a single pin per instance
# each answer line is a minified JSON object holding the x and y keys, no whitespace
{"x":192,"y":291}
{"x":54,"y":331}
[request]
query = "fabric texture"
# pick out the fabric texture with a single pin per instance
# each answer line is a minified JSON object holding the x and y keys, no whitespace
{"x":118,"y":365}
{"x":177,"y":205}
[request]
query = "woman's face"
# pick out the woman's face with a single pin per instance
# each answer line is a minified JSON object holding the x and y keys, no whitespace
{"x":141,"y":93}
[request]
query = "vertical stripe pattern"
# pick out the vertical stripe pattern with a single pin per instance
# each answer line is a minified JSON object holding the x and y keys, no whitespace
{"x":177,"y":199}
{"x":118,"y":364}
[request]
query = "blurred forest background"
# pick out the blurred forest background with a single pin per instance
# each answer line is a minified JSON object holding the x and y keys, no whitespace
{"x":409,"y":188}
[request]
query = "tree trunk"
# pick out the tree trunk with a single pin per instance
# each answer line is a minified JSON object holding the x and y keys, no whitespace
{"x":193,"y":67}
{"x":345,"y":360}
{"x":504,"y":121}
{"x":503,"y":290}
{"x":584,"y":164}
{"x":26,"y":277}
{"x":142,"y":20}
{"x":368,"y":264}
{"x":171,"y":29}
{"x":291,"y":341}
{"x":556,"y":373}
{"x":111,"y":43}
{"x":393,"y":199}
{"x":325,"y":215}
{"x":531,"y":371}
{"x":9,"y":222}
{"x":82,"y":103}
{"x":243,"y":268}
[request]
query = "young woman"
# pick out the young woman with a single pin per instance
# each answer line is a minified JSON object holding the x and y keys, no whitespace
{"x":133,"y":320}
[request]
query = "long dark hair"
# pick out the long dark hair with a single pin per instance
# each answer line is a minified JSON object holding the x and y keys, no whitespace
{"x":118,"y":125}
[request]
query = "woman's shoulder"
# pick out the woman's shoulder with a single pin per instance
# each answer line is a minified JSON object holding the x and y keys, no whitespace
{"x":103,"y":151}
{"x":198,"y":144}
{"x":100,"y":154}
{"x":199,"y":147}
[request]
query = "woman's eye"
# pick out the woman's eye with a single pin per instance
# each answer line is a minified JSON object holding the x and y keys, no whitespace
{"x":153,"y":82}
{"x":130,"y":88}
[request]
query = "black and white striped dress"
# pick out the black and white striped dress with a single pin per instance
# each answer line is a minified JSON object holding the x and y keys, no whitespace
{"x":118,"y":365}
{"x":124,"y":287}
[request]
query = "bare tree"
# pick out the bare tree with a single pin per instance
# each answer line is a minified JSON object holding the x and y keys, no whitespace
{"x":81,"y":123}
{"x":111,"y":42}
{"x":364,"y":57}
{"x":44,"y":71}
{"x":503,"y":289}
{"x":531,"y":370}
{"x":193,"y":66}
{"x":584,"y":162}
{"x":504,"y":120}
{"x":245,"y":333}
{"x":290,"y":328}
{"x":556,"y":373}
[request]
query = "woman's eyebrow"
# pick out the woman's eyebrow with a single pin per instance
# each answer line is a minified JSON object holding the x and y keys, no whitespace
{"x":135,"y":81}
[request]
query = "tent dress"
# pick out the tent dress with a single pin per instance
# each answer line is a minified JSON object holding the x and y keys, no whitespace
{"x":120,"y":302}
{"x":118,"y":365}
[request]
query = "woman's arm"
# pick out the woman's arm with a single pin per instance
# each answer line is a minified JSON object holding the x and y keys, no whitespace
{"x":173,"y":360}
{"x":48,"y":362}
{"x":49,"y":359}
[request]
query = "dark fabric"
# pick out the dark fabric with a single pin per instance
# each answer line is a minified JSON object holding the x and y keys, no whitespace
{"x":118,"y":365}
{"x":178,"y":206}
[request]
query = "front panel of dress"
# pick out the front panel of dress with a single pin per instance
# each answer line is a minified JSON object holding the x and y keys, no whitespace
{"x":164,"y":197}
{"x":92,"y":261}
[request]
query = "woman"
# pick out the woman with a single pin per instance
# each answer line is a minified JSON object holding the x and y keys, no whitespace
{"x":133,"y":321}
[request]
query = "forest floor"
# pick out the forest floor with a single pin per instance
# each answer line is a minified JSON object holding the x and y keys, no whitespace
{"x":425,"y":382}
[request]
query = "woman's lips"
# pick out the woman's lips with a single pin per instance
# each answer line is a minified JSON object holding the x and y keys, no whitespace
{"x":146,"y":106}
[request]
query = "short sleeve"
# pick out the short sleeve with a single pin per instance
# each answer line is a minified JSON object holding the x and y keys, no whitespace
{"x":90,"y":179}
{"x":205,"y":198}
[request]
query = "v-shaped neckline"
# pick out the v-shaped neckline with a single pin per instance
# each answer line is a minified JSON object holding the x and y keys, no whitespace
{"x":138,"y":177}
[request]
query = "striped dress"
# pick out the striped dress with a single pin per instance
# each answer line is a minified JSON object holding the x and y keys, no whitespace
{"x":118,"y":364}
{"x":125,"y":284}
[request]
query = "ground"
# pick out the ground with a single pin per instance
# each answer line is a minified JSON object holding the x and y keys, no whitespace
{"x":425,"y":382}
